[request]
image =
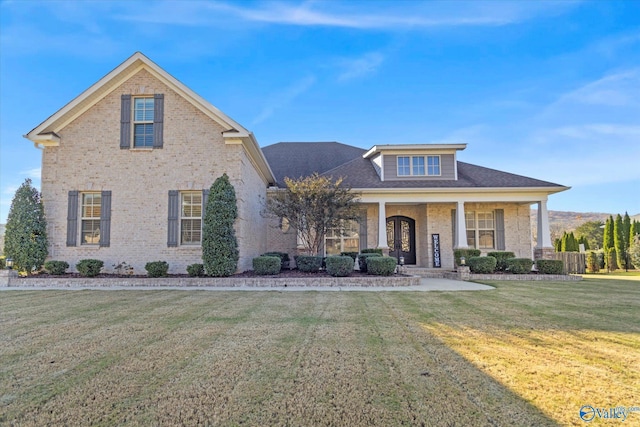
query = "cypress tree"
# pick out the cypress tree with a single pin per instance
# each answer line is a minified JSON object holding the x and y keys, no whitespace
{"x":618,"y":238}
{"x":626,"y":230}
{"x":634,"y":230}
{"x":557,"y":244}
{"x":607,"y":240}
{"x":26,"y":231}
{"x":219,"y":244}
{"x":573,"y":243}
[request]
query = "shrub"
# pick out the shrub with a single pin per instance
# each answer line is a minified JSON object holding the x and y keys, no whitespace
{"x":519,"y":265}
{"x":339,"y":266}
{"x":501,"y":258}
{"x":353,"y":255}
{"x":157,"y":268}
{"x":309,"y":263}
{"x":381,"y":265}
{"x":266,"y":265}
{"x":466,"y":253}
{"x":550,"y":266}
{"x":592,"y":262}
{"x":219,"y":244}
{"x":2,"y":263}
{"x":371,"y":251}
{"x":362,"y":260}
{"x":282,"y":255}
{"x":634,"y":251}
{"x":89,"y":267}
{"x":481,"y":264}
{"x":56,"y":267}
{"x":195,"y":270}
{"x":600,"y":255}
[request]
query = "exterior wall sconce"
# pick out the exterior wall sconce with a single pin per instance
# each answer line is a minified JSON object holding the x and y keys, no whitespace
{"x":9,"y":263}
{"x":463,"y":261}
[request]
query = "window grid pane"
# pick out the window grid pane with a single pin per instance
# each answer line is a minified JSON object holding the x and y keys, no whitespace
{"x":342,"y":239}
{"x":143,"y":135}
{"x":404,"y":167}
{"x":143,"y":110}
{"x":191,"y":218}
{"x":418,"y":165}
{"x":433,"y":165}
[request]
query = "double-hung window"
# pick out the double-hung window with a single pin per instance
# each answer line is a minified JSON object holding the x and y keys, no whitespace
{"x":343,"y":239}
{"x":418,"y":165}
{"x":90,"y":219}
{"x":481,"y":229}
{"x":143,"y":110}
{"x":191,"y":218}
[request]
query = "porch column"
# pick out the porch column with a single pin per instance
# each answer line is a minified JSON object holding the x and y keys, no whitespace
{"x":382,"y":228}
{"x":544,"y":247}
{"x":461,"y":228}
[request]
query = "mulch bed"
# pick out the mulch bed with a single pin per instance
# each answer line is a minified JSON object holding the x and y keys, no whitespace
{"x":247,"y":274}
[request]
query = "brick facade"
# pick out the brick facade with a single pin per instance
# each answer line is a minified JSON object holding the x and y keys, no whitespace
{"x":194,"y":154}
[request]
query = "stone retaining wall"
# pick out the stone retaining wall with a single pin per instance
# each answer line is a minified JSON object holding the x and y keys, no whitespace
{"x":518,"y":277}
{"x":262,"y":282}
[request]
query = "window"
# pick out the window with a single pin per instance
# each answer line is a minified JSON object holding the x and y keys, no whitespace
{"x":404,"y":167}
{"x":433,"y":165}
{"x":343,"y":239}
{"x":191,"y":218}
{"x":90,"y":219}
{"x":143,"y":109}
{"x":480,"y":229}
{"x":415,"y":166}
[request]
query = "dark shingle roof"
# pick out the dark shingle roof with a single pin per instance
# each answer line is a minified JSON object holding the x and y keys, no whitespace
{"x":299,"y":159}
{"x":340,"y":160}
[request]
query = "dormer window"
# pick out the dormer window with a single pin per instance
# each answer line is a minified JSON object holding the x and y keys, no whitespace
{"x":418,"y":165}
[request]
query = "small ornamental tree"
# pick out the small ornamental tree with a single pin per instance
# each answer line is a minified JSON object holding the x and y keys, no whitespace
{"x":313,"y":205}
{"x":26,"y":231}
{"x":219,"y":244}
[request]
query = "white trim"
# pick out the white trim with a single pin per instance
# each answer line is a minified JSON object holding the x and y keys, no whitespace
{"x":402,"y":148}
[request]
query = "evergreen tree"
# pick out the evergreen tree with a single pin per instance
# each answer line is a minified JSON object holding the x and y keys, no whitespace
{"x":557,"y":244}
{"x":573,"y":243}
{"x":634,"y":230}
{"x":219,"y":244}
{"x":618,"y":239}
{"x":563,"y":242}
{"x":583,"y":240}
{"x":626,"y":230}
{"x":607,"y":240}
{"x":26,"y":231}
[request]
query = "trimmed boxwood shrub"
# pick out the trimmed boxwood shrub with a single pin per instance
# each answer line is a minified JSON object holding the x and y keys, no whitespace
{"x":89,"y":267}
{"x":549,"y":266}
{"x":501,"y":258}
{"x":353,"y":255}
{"x":372,"y":251}
{"x":362,"y":259}
{"x":56,"y":267}
{"x":195,"y":270}
{"x":157,"y":268}
{"x":519,"y":265}
{"x":482,"y":264}
{"x":466,"y":253}
{"x":282,"y":255}
{"x":266,"y":265}
{"x":339,"y":266}
{"x":309,"y":263}
{"x":381,"y":265}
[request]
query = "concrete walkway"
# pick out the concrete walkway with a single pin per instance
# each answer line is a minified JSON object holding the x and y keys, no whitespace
{"x":426,"y":285}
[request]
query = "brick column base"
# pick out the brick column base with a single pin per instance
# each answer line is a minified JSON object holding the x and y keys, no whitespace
{"x":6,"y":276}
{"x":464,"y":273}
{"x":543,"y":253}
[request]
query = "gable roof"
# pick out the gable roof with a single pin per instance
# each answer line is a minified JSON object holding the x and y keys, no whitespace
{"x":304,"y":158}
{"x":299,"y":159}
{"x":46,"y":133}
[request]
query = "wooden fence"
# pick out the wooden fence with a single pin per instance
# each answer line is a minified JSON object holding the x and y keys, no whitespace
{"x":573,"y":262}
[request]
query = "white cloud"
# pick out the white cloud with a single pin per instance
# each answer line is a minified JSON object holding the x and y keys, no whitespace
{"x":362,"y":66}
{"x":34,"y":173}
{"x":284,"y":97}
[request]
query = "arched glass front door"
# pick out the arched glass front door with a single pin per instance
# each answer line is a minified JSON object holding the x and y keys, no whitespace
{"x":401,"y":238}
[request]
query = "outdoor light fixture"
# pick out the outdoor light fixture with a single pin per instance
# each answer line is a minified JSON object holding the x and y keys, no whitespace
{"x":9,"y":263}
{"x":401,"y":261}
{"x":463,"y":261}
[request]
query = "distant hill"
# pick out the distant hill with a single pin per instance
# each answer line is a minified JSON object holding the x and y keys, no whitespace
{"x":561,"y":221}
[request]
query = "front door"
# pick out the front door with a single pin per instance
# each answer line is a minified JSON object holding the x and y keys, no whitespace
{"x":401,"y":238}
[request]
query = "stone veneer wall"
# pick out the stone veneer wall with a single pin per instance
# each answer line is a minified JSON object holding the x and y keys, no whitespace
{"x":89,"y":158}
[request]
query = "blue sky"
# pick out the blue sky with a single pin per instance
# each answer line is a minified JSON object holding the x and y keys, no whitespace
{"x":544,"y":89}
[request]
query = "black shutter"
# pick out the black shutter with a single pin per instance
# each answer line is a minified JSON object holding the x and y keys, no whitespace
{"x":125,"y":122}
{"x":72,"y":219}
{"x":158,"y":120}
{"x":499,"y":214}
{"x":173,"y":218}
{"x":363,"y":230}
{"x":105,"y":219}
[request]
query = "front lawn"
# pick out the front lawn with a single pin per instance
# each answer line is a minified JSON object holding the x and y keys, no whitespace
{"x":529,"y":353}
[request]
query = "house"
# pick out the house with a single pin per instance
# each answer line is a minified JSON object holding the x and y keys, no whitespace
{"x":126,"y":167}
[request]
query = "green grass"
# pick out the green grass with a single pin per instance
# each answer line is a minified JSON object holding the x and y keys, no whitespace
{"x":528,"y":353}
